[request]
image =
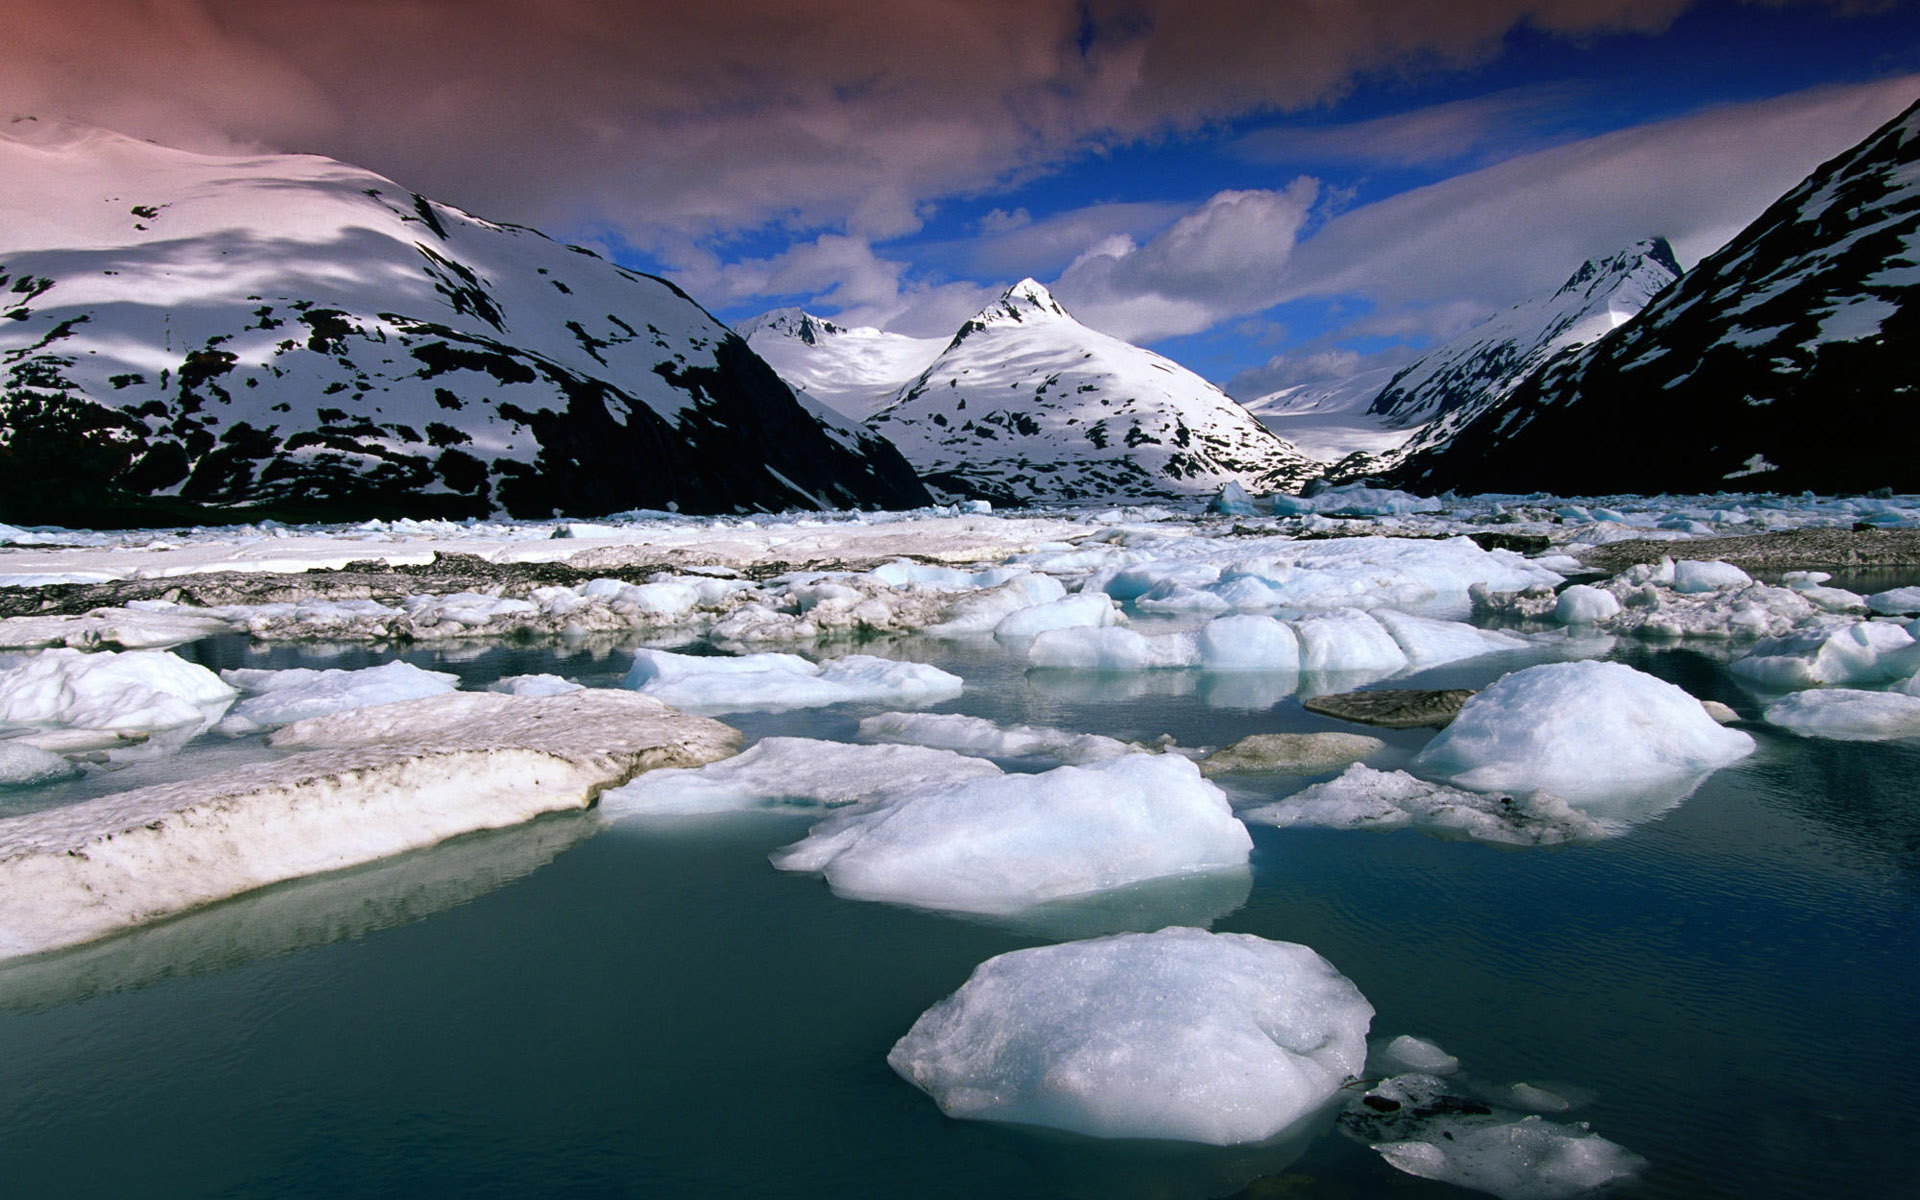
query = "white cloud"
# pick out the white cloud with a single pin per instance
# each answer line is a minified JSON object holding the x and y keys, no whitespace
{"x":1223,"y":259}
{"x":1499,"y":235}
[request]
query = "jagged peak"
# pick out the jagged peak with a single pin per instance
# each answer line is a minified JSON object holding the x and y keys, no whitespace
{"x":789,"y":322}
{"x":1026,"y":299}
{"x":1654,"y":250}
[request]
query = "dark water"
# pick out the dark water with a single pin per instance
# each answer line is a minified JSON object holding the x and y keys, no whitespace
{"x":568,"y":1009}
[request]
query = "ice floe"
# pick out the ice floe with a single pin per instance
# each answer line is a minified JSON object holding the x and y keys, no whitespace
{"x":977,"y":735}
{"x":1363,"y":798}
{"x":373,"y":782}
{"x":791,"y":773}
{"x":1847,"y":714}
{"x":24,"y":765}
{"x":1855,"y":652}
{"x":1378,"y":642}
{"x":1223,"y":1039}
{"x":1082,"y":610}
{"x":1005,"y":843}
{"x":112,"y":693}
{"x":771,"y":682}
{"x":1419,"y":1125}
{"x":1588,"y":732}
{"x":278,"y":697}
{"x":533,"y":685}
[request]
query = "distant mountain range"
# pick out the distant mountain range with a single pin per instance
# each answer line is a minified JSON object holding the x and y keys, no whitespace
{"x":1026,"y":404}
{"x":1787,"y":360}
{"x":194,"y":337}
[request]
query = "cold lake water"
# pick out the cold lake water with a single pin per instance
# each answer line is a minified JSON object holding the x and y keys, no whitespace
{"x":648,"y":1008}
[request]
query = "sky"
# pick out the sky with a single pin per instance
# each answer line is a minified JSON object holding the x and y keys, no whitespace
{"x":1269,"y":191}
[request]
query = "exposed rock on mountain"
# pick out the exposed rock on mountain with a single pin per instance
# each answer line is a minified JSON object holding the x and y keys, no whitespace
{"x":1026,"y":404}
{"x":186,"y":336}
{"x":1785,"y":361}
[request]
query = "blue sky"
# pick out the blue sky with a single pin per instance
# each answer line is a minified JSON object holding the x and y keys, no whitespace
{"x":1396,"y":131}
{"x":1267,"y":190}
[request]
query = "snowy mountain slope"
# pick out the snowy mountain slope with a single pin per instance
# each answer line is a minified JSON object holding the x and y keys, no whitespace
{"x":1786,"y":360}
{"x":290,"y":333}
{"x":1327,"y":419}
{"x":1426,"y":402}
{"x":1485,"y":363}
{"x":1028,"y":404}
{"x":856,"y":372}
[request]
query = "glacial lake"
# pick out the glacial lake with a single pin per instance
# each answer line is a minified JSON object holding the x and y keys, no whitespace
{"x":573,"y":1008}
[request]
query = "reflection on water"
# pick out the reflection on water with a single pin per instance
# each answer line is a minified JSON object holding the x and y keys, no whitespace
{"x":1197,"y":900}
{"x":295,"y":916}
{"x":660,"y":1013}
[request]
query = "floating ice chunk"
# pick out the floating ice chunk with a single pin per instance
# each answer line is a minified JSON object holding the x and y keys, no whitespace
{"x":1223,"y":1039}
{"x":376,"y":782}
{"x":1430,"y":643}
{"x":1364,"y":798}
{"x":277,"y":697}
{"x":1862,"y":652}
{"x":981,"y":611}
{"x":1424,"y":1131}
{"x":1845,"y":714}
{"x":1231,"y":500}
{"x":772,"y":682}
{"x":1897,"y":602}
{"x":23,"y":765}
{"x":977,"y":735}
{"x":1302,"y":753}
{"x":533,"y":685}
{"x":1245,"y":642}
{"x":902,"y":573}
{"x":1111,"y":648}
{"x":1583,"y":604}
{"x":1171,"y":597}
{"x":131,"y":628}
{"x":1004,"y":844}
{"x":1348,"y":640}
{"x":1407,"y":1053}
{"x":1584,"y":731}
{"x":790,"y":772}
{"x":146,"y":690}
{"x":1085,"y":610}
{"x":1691,"y":576}
{"x":1359,"y":500}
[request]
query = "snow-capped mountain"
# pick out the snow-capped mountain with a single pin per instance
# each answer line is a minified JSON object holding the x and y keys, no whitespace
{"x":291,"y":334}
{"x":1027,"y":404}
{"x":1473,"y":371}
{"x":854,"y":371}
{"x":1786,"y":360}
{"x":1424,"y":403}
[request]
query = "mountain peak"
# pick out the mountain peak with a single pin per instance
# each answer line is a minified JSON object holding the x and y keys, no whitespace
{"x":789,"y":322}
{"x":1026,"y":299}
{"x":1653,"y":254}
